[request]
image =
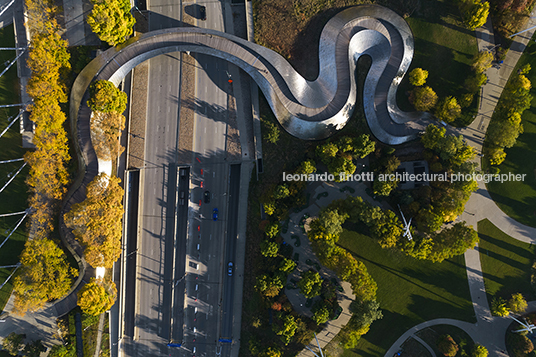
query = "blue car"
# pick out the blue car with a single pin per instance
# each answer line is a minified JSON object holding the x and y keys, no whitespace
{"x":215,"y":214}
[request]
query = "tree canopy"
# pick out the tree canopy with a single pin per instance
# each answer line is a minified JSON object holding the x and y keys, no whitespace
{"x":423,"y":98}
{"x":310,"y":284}
{"x":418,"y":76}
{"x":105,"y":97}
{"x":475,"y":13}
{"x":44,"y":275}
{"x":97,"y":296}
{"x":96,"y":221}
{"x":111,"y":20}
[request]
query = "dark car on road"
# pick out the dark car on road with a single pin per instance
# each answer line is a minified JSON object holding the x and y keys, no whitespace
{"x":230,"y":269}
{"x":203,"y":13}
{"x":207,"y":196}
{"x":215,"y":214}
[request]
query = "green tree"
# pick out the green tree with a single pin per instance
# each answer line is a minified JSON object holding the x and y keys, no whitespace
{"x":269,"y":249}
{"x":97,"y":296}
{"x":428,"y":221}
{"x":272,"y":230}
{"x":341,"y":165}
{"x":448,"y":109}
{"x":287,"y":329}
{"x":517,"y":303}
{"x":269,"y":286}
{"x":13,"y":343}
{"x":418,"y":76}
{"x":423,"y":98}
{"x":433,"y":136}
{"x":365,"y":312}
{"x":269,"y":208}
{"x":62,"y":351}
{"x":499,"y":307}
{"x":446,"y":345}
{"x":111,"y":20}
{"x":332,"y":221}
{"x":306,"y":167}
{"x":271,"y":131}
{"x":287,"y":265}
{"x":281,"y":191}
{"x":453,"y":241}
{"x":384,"y":187}
{"x":363,"y":146}
{"x":482,"y":61}
{"x":475,"y":13}
{"x":96,"y":222}
{"x":105,"y":97}
{"x":494,"y":155}
{"x":321,"y":315}
{"x":34,"y":349}
{"x":327,"y":152}
{"x":270,"y":352}
{"x":474,"y":82}
{"x":310,"y":284}
{"x":479,"y":351}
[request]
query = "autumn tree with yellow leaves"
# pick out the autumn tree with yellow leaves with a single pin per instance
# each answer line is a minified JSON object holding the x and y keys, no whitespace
{"x":107,"y":121}
{"x":96,"y":222}
{"x":97,"y":296}
{"x":45,"y":274}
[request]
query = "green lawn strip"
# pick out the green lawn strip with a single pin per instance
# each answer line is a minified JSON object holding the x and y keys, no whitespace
{"x":409,"y":291}
{"x":14,"y":197}
{"x":444,"y":49}
{"x":518,"y":198}
{"x":506,"y":262}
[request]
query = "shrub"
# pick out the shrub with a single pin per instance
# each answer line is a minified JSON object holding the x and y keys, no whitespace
{"x":499,"y":307}
{"x":423,"y":98}
{"x":418,"y":76}
{"x":446,"y":345}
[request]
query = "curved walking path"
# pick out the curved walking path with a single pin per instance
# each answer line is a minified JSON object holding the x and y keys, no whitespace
{"x":309,"y":110}
{"x":488,"y":330}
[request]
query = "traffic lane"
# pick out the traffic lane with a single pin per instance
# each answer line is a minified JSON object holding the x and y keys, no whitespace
{"x":227,"y":308}
{"x":160,"y":141}
{"x":210,"y":251}
{"x":211,"y":110}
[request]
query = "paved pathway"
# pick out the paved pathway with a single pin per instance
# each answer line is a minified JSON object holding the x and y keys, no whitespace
{"x":488,"y":330}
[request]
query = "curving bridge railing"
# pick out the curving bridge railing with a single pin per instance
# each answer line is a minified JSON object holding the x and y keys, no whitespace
{"x":306,"y":109}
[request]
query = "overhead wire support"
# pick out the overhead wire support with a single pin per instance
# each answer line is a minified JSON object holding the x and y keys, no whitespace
{"x":12,"y":105}
{"x":12,"y":214}
{"x":9,"y":277}
{"x":12,"y":48}
{"x":13,"y":121}
{"x":14,"y":229}
{"x":12,"y":62}
{"x":13,"y":160}
{"x":7,"y":7}
{"x":13,"y":177}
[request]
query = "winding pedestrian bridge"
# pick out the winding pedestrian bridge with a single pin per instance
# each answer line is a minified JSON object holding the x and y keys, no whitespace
{"x":309,"y":110}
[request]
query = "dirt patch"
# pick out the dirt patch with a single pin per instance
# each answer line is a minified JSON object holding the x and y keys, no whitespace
{"x":138,"y":115}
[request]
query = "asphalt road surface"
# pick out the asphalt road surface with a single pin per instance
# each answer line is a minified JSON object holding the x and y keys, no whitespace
{"x":184,"y":294}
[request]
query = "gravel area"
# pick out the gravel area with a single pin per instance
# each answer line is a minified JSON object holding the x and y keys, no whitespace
{"x":186,"y":120}
{"x":138,"y":115}
{"x":234,"y":151}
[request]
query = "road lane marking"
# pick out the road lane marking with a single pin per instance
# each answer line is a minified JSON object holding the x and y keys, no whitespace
{"x":214,"y":174}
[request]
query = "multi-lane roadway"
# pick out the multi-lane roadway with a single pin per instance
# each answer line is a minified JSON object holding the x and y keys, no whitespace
{"x":184,"y":284}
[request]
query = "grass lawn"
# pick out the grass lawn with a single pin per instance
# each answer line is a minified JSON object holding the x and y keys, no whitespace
{"x":506,"y":262}
{"x":518,"y":198}
{"x":14,"y":197}
{"x":409,"y":291}
{"x":445,"y":49}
